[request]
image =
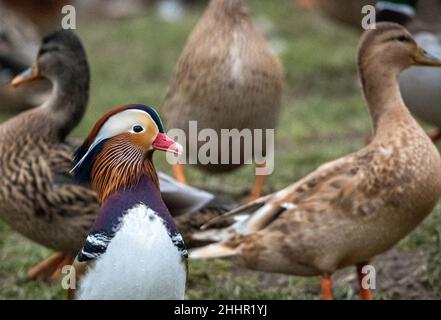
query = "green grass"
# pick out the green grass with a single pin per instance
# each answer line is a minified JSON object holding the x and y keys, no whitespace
{"x":324,"y":117}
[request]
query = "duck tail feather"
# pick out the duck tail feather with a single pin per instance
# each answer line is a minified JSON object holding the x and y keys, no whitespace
{"x":212,"y":235}
{"x":215,"y":250}
{"x":246,"y":208}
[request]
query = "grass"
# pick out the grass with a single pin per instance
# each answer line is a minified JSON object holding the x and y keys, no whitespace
{"x":324,"y":117}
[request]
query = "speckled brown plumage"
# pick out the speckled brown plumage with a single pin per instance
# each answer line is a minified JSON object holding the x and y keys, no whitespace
{"x":226,"y":77}
{"x":38,"y":197}
{"x":358,"y":206}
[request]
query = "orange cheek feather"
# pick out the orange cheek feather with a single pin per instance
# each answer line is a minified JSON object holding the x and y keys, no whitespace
{"x":142,"y":140}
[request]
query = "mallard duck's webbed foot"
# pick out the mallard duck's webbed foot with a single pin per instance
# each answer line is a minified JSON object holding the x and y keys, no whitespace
{"x":178,"y":172}
{"x":326,"y":287}
{"x":365,"y":294}
{"x":50,"y":269}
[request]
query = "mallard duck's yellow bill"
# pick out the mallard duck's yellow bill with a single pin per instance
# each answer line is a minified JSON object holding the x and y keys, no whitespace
{"x":26,"y":76}
{"x":426,"y":59}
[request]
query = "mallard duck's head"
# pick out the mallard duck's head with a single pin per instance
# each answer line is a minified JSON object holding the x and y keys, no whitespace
{"x":393,"y":46}
{"x":119,"y":148}
{"x":61,"y":58}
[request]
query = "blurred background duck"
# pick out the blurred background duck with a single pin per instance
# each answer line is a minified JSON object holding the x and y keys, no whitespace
{"x":358,"y":206}
{"x":38,"y":196}
{"x":226,"y":77}
{"x":44,"y":14}
{"x":19,"y":41}
{"x":349,"y":12}
{"x":134,"y":250}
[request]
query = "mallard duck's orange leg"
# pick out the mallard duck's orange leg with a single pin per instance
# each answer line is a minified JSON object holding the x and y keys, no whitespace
{"x":326,"y":287}
{"x":308,"y":4}
{"x":67,"y":260}
{"x":50,"y":268}
{"x":46,"y":266}
{"x":178,"y":172}
{"x":365,"y":294}
{"x":436,"y":136}
{"x":257,"y":189}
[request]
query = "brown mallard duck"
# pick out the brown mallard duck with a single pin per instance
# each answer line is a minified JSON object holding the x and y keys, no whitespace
{"x":358,"y":206}
{"x":227,"y":77}
{"x":420,"y":87}
{"x":38,"y":196}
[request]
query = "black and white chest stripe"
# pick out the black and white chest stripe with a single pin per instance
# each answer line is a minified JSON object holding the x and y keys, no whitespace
{"x":97,"y":241}
{"x":96,"y":244}
{"x":178,"y":241}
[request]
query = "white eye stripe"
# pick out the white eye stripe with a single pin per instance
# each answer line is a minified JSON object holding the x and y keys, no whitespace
{"x":124,"y":122}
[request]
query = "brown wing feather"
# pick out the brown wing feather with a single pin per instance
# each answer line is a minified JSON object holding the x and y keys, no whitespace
{"x":347,"y":188}
{"x":327,"y":192}
{"x":39,"y":197}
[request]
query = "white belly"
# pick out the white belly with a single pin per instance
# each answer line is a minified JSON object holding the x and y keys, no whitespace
{"x":140,"y":262}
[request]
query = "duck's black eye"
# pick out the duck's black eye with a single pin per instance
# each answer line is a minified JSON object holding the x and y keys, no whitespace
{"x":403,"y":39}
{"x":137,"y":128}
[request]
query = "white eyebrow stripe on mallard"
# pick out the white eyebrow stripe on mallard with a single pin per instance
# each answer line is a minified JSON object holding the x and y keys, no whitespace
{"x":107,"y":131}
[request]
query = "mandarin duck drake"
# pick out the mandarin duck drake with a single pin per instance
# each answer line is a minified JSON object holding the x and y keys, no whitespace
{"x":38,"y":196}
{"x":227,"y":77}
{"x":134,"y":250}
{"x":351,"y":209}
